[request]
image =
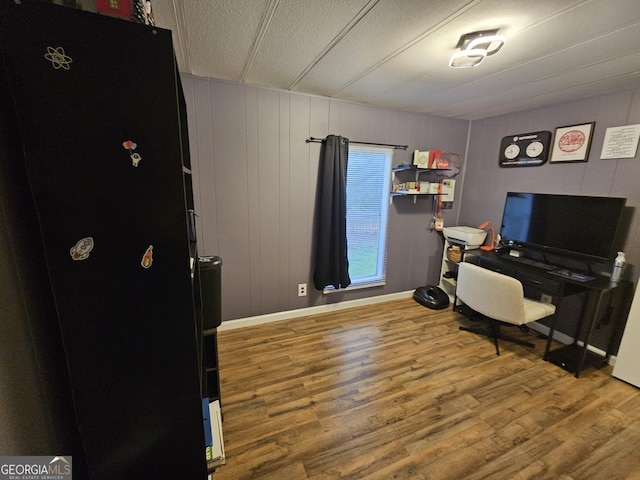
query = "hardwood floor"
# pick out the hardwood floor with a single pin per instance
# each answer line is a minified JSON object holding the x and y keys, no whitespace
{"x":396,"y":391}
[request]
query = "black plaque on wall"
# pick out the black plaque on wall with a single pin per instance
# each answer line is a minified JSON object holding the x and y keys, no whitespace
{"x":525,"y":149}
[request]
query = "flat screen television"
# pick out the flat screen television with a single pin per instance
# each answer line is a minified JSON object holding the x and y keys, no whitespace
{"x":575,"y":225}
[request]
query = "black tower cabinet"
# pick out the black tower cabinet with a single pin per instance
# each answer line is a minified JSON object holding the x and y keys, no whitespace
{"x":211,"y":286}
{"x":95,"y":101}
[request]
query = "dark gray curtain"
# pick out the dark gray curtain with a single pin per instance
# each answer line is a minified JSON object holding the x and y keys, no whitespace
{"x":332,"y":266}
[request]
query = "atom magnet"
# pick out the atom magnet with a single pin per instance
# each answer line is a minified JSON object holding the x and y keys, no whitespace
{"x":58,"y":58}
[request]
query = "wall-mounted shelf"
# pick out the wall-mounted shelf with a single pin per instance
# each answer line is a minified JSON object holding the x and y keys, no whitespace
{"x":413,"y":168}
{"x":405,"y":193}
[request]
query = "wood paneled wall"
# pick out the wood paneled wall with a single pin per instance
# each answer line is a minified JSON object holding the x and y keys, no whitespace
{"x":255,"y":183}
{"x":255,"y":188}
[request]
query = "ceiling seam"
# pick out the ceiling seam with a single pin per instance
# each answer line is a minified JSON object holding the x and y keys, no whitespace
{"x":337,"y":39}
{"x":557,"y":14}
{"x":264,"y":26}
{"x":405,"y":47}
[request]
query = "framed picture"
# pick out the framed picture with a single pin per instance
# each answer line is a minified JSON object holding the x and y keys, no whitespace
{"x":572,"y":143}
{"x":621,"y":142}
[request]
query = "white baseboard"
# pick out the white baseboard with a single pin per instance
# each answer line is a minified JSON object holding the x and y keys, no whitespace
{"x":303,"y":312}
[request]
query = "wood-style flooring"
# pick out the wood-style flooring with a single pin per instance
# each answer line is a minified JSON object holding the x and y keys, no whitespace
{"x":397,"y":391}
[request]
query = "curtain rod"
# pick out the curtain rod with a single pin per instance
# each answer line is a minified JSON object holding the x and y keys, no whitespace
{"x":397,"y":147}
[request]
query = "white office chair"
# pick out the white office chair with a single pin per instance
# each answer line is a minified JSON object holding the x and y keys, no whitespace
{"x":500,"y":298}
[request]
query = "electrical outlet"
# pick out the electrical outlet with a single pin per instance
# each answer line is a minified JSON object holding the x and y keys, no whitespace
{"x":544,"y":298}
{"x":302,"y":289}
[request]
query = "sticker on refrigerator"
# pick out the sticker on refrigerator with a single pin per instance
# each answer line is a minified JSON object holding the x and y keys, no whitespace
{"x":82,"y":249}
{"x":135,"y":156}
{"x":58,"y":58}
{"x":147,"y":258}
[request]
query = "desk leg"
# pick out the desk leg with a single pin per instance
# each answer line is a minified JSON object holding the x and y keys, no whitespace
{"x":592,"y":314}
{"x":617,"y":312}
{"x":552,"y":328}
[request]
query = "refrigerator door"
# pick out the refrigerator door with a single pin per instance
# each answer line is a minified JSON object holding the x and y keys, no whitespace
{"x":627,"y":365}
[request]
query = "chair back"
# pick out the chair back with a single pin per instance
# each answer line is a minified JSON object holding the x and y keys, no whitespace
{"x":491,"y":293}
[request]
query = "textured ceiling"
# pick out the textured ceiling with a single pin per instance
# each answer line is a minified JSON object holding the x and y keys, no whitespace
{"x":395,"y":53}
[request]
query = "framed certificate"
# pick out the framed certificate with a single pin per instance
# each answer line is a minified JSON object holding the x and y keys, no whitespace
{"x":621,"y":142}
{"x":572,"y":143}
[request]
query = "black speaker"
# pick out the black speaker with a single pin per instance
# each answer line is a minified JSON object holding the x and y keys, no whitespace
{"x":211,"y":287}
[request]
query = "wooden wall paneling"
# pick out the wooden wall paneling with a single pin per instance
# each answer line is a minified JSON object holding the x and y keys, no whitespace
{"x":252,"y":180}
{"x":440,"y":135}
{"x":600,"y":174}
{"x":426,"y":130}
{"x":483,"y":178}
{"x":413,"y":129}
{"x":244,"y":235}
{"x":231,"y":200}
{"x":426,"y":247}
{"x":496,"y":178}
{"x":268,"y":169}
{"x":627,"y":179}
{"x":300,"y":198}
{"x":418,"y":259}
{"x":334,"y":118}
{"x":354,"y":122}
{"x":407,"y":234}
{"x":284,"y":198}
{"x":633,"y":110}
{"x":203,"y":168}
{"x":382,"y":127}
{"x":402,"y":234}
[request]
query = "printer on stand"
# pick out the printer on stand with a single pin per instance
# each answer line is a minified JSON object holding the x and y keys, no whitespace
{"x":457,"y":241}
{"x":468,"y":236}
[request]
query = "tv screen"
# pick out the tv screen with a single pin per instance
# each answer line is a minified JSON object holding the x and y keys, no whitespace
{"x":571,"y":224}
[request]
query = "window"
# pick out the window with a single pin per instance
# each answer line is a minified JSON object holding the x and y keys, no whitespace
{"x":368,"y":173}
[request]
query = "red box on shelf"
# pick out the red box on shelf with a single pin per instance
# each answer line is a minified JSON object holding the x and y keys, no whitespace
{"x":117,"y":8}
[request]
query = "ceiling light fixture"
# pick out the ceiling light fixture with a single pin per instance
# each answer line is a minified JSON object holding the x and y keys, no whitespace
{"x":475,"y":47}
{"x":467,"y":58}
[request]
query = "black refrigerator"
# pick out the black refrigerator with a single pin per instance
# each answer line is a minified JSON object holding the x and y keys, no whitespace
{"x":95,"y":157}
